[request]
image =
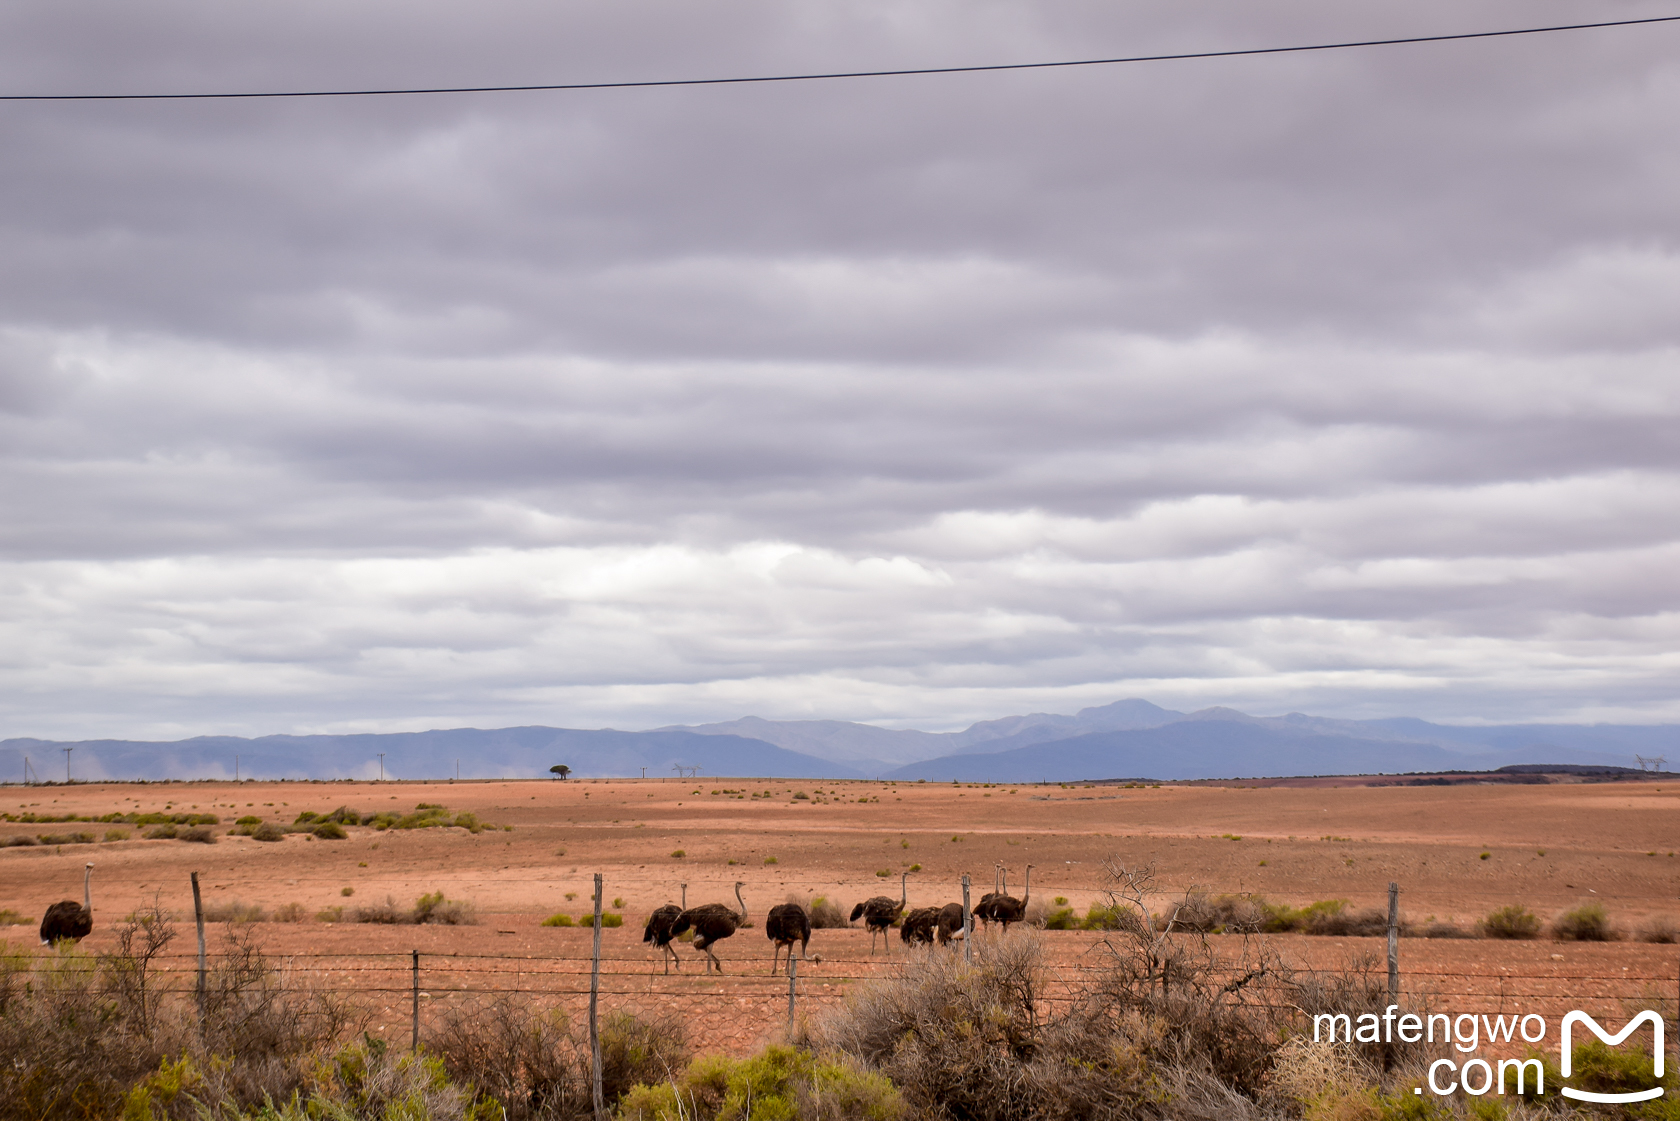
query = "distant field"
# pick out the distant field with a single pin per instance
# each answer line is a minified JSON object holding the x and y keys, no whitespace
{"x":1548,"y":847}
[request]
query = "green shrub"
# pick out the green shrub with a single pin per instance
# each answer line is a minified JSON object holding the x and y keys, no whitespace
{"x":305,"y":817}
{"x":779,"y":1082}
{"x":290,"y":912}
{"x":67,"y":838}
{"x":161,"y":833}
{"x":330,"y":831}
{"x":1587,"y":923}
{"x":1104,"y":917}
{"x":434,"y":908}
{"x":249,"y":819}
{"x":268,"y":831}
{"x":825,"y":914}
{"x":203,"y":835}
{"x":1513,"y":921}
{"x":1062,"y":918}
{"x":116,"y":834}
{"x":608,"y":918}
{"x":559,"y":918}
{"x":1600,"y":1069}
{"x":678,"y":853}
{"x":9,"y":917}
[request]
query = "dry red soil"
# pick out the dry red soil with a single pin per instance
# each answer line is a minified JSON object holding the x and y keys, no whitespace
{"x":1548,"y":847}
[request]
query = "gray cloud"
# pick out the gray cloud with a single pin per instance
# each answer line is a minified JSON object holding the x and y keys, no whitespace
{"x":1340,"y":381}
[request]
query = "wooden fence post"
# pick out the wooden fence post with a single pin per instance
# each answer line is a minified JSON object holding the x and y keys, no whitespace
{"x":198,"y":914}
{"x":968,"y":924}
{"x":1393,"y":943}
{"x":594,"y":1022}
{"x":793,"y":988}
{"x":414,"y":1042}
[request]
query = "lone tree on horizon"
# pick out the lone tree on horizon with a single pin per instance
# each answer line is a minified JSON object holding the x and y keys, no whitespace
{"x":560,"y":769}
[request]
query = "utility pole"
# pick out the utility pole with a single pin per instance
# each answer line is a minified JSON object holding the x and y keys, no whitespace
{"x":381,"y":766}
{"x":67,"y":751}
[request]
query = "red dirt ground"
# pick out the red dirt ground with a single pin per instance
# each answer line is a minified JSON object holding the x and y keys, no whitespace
{"x":1549,"y":848}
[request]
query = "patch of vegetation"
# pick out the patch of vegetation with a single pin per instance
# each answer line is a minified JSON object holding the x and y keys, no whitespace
{"x":559,"y":918}
{"x":66,"y":838}
{"x":1586,"y":923}
{"x":779,"y":1082}
{"x":1513,"y":921}
{"x":132,"y":818}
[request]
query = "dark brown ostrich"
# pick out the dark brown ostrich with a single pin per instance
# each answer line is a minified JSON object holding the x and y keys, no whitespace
{"x":950,"y":923}
{"x":881,"y":912}
{"x":710,"y":923}
{"x":1007,"y":909}
{"x":787,"y":923}
{"x":983,"y":909}
{"x":70,"y":919}
{"x":658,"y":931}
{"x":919,"y":926}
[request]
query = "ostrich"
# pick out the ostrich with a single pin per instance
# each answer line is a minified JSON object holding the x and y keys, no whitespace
{"x":658,"y":931}
{"x":788,"y":923}
{"x":881,"y":912}
{"x":920,"y":924}
{"x":950,"y":923}
{"x":1007,"y":909}
{"x":710,"y":922}
{"x":983,"y":909}
{"x":70,"y":919}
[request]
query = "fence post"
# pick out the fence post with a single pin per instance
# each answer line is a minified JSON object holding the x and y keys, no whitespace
{"x":1393,"y":943}
{"x":968,"y":924}
{"x":793,"y":986}
{"x":198,"y":914}
{"x":414,"y":1043}
{"x":594,"y":999}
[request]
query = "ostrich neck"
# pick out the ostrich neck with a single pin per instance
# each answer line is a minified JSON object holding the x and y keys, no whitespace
{"x":903,"y":891}
{"x":742,"y":902}
{"x":1026,"y":886}
{"x":87,"y":891}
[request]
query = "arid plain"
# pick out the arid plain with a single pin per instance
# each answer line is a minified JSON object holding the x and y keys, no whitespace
{"x":1547,"y":847}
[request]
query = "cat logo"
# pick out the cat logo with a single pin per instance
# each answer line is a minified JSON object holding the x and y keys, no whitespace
{"x":1610,"y":1041}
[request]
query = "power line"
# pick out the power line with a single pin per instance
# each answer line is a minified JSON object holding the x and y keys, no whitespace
{"x":831,"y":75}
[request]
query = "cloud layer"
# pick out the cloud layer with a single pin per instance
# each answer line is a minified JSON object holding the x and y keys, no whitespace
{"x":1343,"y":381}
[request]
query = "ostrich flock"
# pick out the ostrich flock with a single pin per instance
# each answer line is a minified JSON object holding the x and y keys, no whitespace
{"x":788,"y":923}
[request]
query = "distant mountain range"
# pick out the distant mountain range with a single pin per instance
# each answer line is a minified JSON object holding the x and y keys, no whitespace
{"x":1126,"y":739}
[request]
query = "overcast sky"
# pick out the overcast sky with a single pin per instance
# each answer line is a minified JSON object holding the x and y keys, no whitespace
{"x":1342,"y":382}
